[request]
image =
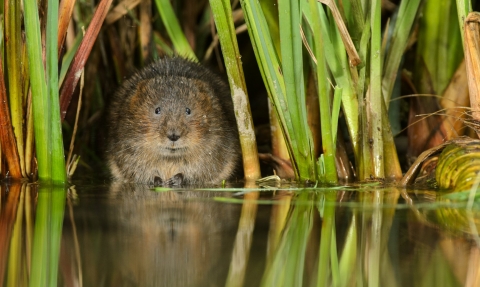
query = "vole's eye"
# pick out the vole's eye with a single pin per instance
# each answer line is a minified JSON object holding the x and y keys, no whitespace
{"x":188,"y":111}
{"x":157,"y":110}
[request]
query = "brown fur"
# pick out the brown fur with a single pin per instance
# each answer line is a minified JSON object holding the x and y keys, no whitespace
{"x":142,"y":144}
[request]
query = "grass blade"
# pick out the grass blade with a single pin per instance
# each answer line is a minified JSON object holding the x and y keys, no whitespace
{"x":15,"y":270}
{"x":243,"y":241}
{"x":68,"y":57}
{"x":14,"y":69}
{"x":439,"y":49}
{"x":347,"y":41}
{"x":120,"y":10}
{"x":174,"y":31}
{"x":41,"y":107}
{"x":463,"y":8}
{"x":47,"y":236}
{"x":222,"y":14}
{"x":349,"y":255}
{"x":374,"y":99}
{"x":7,"y":220}
{"x":286,"y":266}
{"x":7,"y":137}
{"x":324,"y":97}
{"x":58,"y":154}
{"x":472,"y":60}
{"x":75,"y":70}
{"x":293,"y":74}
{"x":145,"y":29}
{"x":338,"y":65}
{"x":66,"y":11}
{"x":326,"y":235}
{"x":269,"y":65}
{"x":398,"y":42}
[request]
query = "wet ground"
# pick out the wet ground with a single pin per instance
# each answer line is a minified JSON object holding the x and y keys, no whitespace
{"x":131,"y":235}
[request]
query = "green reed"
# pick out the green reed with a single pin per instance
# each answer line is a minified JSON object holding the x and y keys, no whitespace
{"x":439,"y":49}
{"x":287,"y":265}
{"x":16,"y":76}
{"x":328,"y":131}
{"x":174,"y":31}
{"x":34,"y":87}
{"x":398,"y":41}
{"x":44,"y":87}
{"x":222,"y":14}
{"x":331,"y":52}
{"x":47,"y":236}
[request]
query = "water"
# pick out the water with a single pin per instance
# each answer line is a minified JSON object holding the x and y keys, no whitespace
{"x":130,"y":235}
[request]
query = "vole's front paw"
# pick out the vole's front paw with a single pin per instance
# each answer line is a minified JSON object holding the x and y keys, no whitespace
{"x":176,"y":180}
{"x":157,"y":181}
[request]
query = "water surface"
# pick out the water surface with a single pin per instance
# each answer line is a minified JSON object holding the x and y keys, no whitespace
{"x":131,"y":235}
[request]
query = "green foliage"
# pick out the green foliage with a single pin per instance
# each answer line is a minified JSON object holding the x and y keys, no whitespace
{"x":439,"y":49}
{"x":47,"y":236}
{"x":331,"y":53}
{"x":44,"y":86}
{"x":174,"y":31}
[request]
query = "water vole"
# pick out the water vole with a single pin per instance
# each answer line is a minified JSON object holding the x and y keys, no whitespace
{"x":173,"y":123}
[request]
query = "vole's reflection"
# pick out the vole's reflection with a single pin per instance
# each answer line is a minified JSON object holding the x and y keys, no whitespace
{"x":143,"y":238}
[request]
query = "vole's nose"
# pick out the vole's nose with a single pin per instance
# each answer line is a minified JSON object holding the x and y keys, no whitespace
{"x":173,"y":136}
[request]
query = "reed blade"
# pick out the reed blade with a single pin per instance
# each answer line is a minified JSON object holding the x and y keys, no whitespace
{"x":269,"y":65}
{"x":76,"y":67}
{"x":463,"y":8}
{"x":41,"y":107}
{"x":398,"y":42}
{"x":66,"y":12}
{"x":374,"y":99}
{"x":7,"y":137}
{"x":47,"y":236}
{"x":57,"y":154}
{"x":180,"y":43}
{"x":14,"y":72}
{"x":324,"y":96}
{"x":222,"y":14}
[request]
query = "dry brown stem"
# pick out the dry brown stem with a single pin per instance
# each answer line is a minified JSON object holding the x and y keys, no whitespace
{"x":7,"y":137}
{"x":121,"y":10}
{"x":347,"y":40}
{"x":76,"y":67}
{"x":472,"y":59}
{"x":66,"y":11}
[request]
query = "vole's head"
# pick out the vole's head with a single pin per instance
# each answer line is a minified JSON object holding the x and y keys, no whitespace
{"x":176,"y":115}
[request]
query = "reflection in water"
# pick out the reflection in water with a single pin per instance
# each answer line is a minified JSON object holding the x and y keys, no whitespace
{"x":128,"y":235}
{"x":136,"y":237}
{"x":29,"y":254}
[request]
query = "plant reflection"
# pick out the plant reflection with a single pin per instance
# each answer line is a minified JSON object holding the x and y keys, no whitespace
{"x":32,"y":249}
{"x":129,"y":235}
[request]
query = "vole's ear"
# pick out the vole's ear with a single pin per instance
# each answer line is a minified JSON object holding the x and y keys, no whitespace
{"x":202,"y":86}
{"x":138,"y":94}
{"x":205,"y":89}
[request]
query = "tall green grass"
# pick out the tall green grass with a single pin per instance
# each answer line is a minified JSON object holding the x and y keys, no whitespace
{"x":222,"y":14}
{"x":44,"y":86}
{"x":354,"y":61}
{"x":33,"y":84}
{"x":47,"y":236}
{"x":172,"y":26}
{"x":331,"y":52}
{"x":31,"y":251}
{"x":16,"y":75}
